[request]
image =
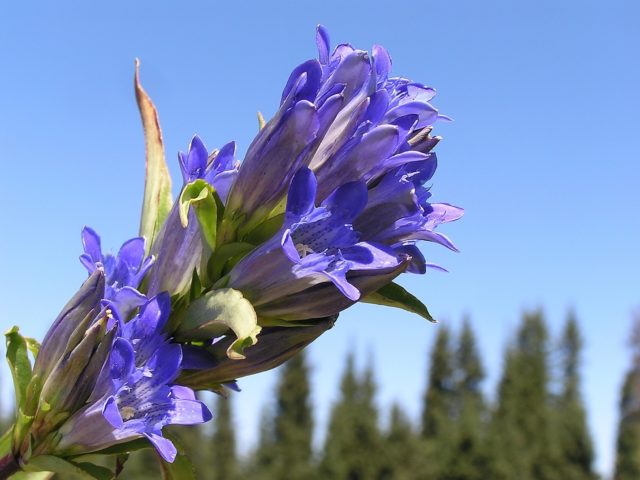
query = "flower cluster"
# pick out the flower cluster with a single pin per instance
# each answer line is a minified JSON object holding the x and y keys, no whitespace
{"x":252,"y":262}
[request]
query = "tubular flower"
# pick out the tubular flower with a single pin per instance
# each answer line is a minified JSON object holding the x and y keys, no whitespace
{"x":398,"y":212}
{"x":135,"y":396}
{"x":180,"y":250}
{"x":315,"y":245}
{"x":123,"y":272}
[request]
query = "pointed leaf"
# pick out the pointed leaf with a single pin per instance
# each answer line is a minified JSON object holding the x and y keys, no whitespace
{"x":157,"y":199}
{"x":393,"y":295}
{"x":19,"y":364}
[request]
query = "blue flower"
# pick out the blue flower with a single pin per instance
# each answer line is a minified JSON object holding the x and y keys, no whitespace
{"x":316,"y":245}
{"x":218,"y":169}
{"x":180,"y":250}
{"x":134,"y":395}
{"x":398,"y":212}
{"x":123,"y":272}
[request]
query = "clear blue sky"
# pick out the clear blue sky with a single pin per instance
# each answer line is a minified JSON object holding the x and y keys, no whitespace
{"x":543,"y":156}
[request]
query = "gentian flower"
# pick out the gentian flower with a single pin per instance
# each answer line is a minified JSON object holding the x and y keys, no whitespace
{"x":315,"y":245}
{"x":123,"y":272}
{"x":180,"y":250}
{"x":398,"y":212}
{"x":383,"y":122}
{"x":218,"y":169}
{"x":135,"y":395}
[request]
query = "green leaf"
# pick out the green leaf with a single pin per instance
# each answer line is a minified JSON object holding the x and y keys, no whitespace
{"x":222,"y":254}
{"x":157,"y":199}
{"x":265,"y":230}
{"x":214,"y":314}
{"x":5,"y":442}
{"x":201,"y":196}
{"x":393,"y":295}
{"x":33,"y":345}
{"x":19,"y":364}
{"x":67,"y":470}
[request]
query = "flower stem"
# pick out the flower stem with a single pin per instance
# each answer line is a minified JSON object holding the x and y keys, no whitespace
{"x":8,"y":466}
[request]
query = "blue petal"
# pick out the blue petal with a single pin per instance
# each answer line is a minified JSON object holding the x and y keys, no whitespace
{"x":165,"y":447}
{"x":347,"y":201}
{"x":302,"y":193}
{"x":111,"y":413}
{"x":310,"y":73}
{"x":189,"y":412}
{"x":322,"y":40}
{"x":338,"y":276}
{"x":382,"y":62}
{"x":91,"y":244}
{"x":121,"y":362}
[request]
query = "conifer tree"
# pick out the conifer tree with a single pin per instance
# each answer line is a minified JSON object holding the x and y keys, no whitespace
{"x":353,"y":443}
{"x":468,"y":458}
{"x":403,"y":456}
{"x":439,"y":406}
{"x":575,"y":445}
{"x":523,"y":444}
{"x":293,"y":422}
{"x":628,"y":442}
{"x":259,"y":466}
{"x":222,"y":462}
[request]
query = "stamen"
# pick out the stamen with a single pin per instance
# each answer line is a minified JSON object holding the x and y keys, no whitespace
{"x":303,"y":249}
{"x":127,"y":413}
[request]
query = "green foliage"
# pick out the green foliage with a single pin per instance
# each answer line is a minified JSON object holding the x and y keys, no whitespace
{"x":522,"y":439}
{"x":439,"y":405}
{"x":403,"y":457}
{"x":628,"y":442}
{"x":393,"y":295}
{"x":157,"y":187}
{"x":570,"y":424}
{"x":353,"y":443}
{"x":224,"y":463}
{"x":468,"y":455}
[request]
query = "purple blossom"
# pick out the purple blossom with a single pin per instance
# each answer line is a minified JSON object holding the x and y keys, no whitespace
{"x":123,"y":272}
{"x":134,"y":395}
{"x":218,"y":169}
{"x":398,"y":212}
{"x":316,"y":245}
{"x":179,"y":250}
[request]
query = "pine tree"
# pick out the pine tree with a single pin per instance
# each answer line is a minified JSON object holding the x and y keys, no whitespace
{"x":628,"y":443}
{"x":259,"y":466}
{"x":353,"y":443}
{"x":403,"y":459}
{"x":222,"y":459}
{"x":293,"y":422}
{"x":575,"y":445}
{"x":522,"y":442}
{"x":439,"y":406}
{"x":468,"y":457}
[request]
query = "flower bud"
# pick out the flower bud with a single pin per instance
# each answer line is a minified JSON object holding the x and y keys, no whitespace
{"x":276,"y":346}
{"x":55,"y":342}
